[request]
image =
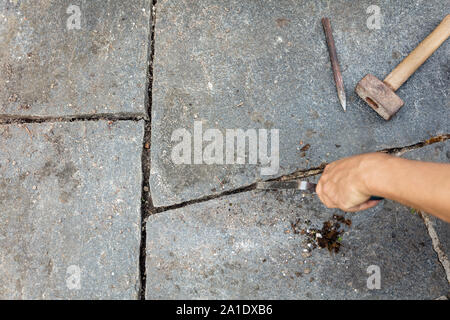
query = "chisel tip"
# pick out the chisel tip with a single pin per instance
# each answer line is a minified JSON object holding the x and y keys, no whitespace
{"x":343,"y":100}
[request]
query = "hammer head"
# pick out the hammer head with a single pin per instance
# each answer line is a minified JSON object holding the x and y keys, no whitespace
{"x":379,"y":96}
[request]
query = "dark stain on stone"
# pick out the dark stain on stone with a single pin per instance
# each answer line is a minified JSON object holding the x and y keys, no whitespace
{"x":56,"y":141}
{"x":282,"y":22}
{"x":268,"y":124}
{"x":66,"y":174}
{"x":49,"y":267}
{"x":67,"y":182}
{"x":65,"y":178}
{"x":46,"y":170}
{"x":305,"y":147}
{"x":396,"y":55}
{"x":19,"y":286}
{"x":310,"y":133}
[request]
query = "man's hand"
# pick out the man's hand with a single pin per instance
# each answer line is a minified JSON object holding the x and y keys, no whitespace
{"x":347,"y":184}
{"x":343,"y":183}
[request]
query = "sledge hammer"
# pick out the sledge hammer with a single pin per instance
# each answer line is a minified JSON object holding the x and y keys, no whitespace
{"x":380,"y":95}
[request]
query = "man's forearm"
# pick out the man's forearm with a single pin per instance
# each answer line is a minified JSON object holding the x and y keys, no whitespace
{"x":421,"y":185}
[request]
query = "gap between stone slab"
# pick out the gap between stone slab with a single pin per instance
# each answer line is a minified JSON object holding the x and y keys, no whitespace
{"x":402,"y":150}
{"x":146,"y":201}
{"x":442,"y":257}
{"x":73,"y":118}
{"x":146,"y":206}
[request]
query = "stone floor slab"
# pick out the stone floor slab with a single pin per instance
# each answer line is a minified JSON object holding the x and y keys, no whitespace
{"x":243,"y":247}
{"x":48,"y":69}
{"x":248,"y":65}
{"x":70,"y":196}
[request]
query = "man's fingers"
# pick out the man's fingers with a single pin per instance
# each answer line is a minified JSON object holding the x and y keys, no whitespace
{"x":364,"y":206}
{"x":327,"y":202}
{"x":323,"y":197}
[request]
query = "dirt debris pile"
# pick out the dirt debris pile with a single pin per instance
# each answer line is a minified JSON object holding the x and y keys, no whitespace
{"x":330,"y":236}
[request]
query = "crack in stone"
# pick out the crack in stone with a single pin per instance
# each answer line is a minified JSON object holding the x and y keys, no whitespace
{"x":202,"y":199}
{"x":146,"y":201}
{"x":399,"y":151}
{"x":437,"y":247}
{"x":396,"y":151}
{"x":96,"y":117}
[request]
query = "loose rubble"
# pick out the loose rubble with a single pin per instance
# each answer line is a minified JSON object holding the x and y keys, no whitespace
{"x":330,"y":236}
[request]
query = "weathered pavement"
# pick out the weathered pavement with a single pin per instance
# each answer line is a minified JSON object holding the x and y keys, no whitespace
{"x":70,"y":206}
{"x":243,"y":246}
{"x":70,"y":192}
{"x":250,"y":66}
{"x":48,"y":70}
{"x":92,"y":205}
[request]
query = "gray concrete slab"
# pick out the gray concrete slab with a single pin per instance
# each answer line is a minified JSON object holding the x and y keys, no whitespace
{"x":439,"y":152}
{"x":243,"y":247}
{"x":70,"y":196}
{"x":257,"y":65}
{"x":48,"y":69}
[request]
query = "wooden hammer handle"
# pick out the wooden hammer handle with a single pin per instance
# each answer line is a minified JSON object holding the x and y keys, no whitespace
{"x":418,"y":56}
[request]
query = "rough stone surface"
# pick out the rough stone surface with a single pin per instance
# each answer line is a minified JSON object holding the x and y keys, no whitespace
{"x":70,"y":196}
{"x":439,"y":152}
{"x":246,"y":65}
{"x":243,"y":247}
{"x":47,"y":70}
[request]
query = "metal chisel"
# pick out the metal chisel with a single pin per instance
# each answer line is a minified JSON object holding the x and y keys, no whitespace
{"x":305,"y":186}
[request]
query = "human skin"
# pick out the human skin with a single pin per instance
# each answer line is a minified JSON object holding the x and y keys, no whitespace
{"x":348,"y":183}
